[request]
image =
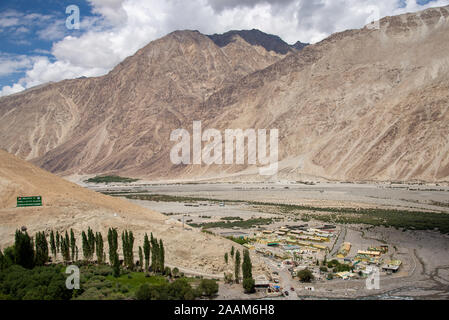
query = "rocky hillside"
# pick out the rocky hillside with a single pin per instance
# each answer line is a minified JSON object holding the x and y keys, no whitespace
{"x":362,"y":104}
{"x":257,"y":38}
{"x":122,"y":120}
{"x":67,"y":205}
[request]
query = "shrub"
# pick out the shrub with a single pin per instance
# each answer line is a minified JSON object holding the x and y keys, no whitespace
{"x":249,"y":285}
{"x":305,"y":275}
{"x":208,"y":287}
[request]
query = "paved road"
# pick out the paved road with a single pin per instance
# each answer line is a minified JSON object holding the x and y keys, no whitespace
{"x":285,"y":280}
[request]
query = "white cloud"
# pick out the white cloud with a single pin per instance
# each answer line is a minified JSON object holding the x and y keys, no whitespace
{"x":124,"y":26}
{"x":14,"y":63}
{"x":7,"y":90}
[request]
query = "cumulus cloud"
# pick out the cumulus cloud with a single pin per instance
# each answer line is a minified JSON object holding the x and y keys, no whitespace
{"x":121,"y":27}
{"x":15,"y":88}
{"x":10,"y":64}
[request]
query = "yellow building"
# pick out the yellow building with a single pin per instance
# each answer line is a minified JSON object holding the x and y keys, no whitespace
{"x":344,"y":250}
{"x":369,"y":253}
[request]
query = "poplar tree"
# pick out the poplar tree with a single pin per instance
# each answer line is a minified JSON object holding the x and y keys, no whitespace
{"x":116,"y":266}
{"x":58,"y":242}
{"x":52,"y":243}
{"x":248,"y":281}
{"x":91,"y":242}
{"x":140,"y":258}
{"x":65,"y":248}
{"x":226,"y":257}
{"x":247,"y":265}
{"x":131,"y":250}
{"x":41,"y":244}
{"x":161,"y":256}
{"x":155,"y":255}
{"x":67,"y":244}
{"x":23,"y":250}
{"x":72,"y":243}
{"x":85,"y":246}
{"x":237,"y":267}
{"x":146,"y":251}
{"x":2,"y":261}
{"x":99,"y":247}
{"x":125,"y":247}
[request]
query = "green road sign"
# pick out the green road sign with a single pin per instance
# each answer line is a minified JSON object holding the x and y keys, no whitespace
{"x":29,"y":201}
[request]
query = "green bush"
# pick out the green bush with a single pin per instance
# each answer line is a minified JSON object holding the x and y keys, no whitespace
{"x":305,"y":275}
{"x":249,"y":285}
{"x":208,"y":288}
{"x":40,"y":283}
{"x":178,"y":290}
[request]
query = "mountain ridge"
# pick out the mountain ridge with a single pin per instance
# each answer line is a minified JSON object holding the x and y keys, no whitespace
{"x":334,"y":102}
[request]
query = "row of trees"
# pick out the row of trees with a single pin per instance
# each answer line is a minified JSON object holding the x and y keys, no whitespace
{"x":28,"y":252}
{"x":246,"y":267}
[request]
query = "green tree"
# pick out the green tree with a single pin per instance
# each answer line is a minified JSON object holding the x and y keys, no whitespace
{"x":140,"y":258}
{"x":305,"y":275}
{"x":41,"y":252}
{"x":146,"y":251}
{"x":99,"y":247}
{"x":52,"y":243}
{"x":175,"y":272}
{"x":72,"y":243}
{"x":131,"y":250}
{"x":58,"y":242}
{"x":85,"y":243}
{"x":232,"y":252}
{"x":161,"y":256}
{"x":113,"y":244}
{"x":226,"y":257}
{"x":167,"y":271}
{"x":91,"y":242}
{"x":65,"y":247}
{"x":208,"y":288}
{"x":249,"y":285}
{"x":155,"y":256}
{"x":237,"y":267}
{"x":127,"y":247}
{"x":2,"y":261}
{"x":247,"y":265}
{"x":23,"y":250}
{"x":116,"y":266}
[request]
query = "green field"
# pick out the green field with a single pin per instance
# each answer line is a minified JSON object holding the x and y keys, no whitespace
{"x":110,"y":179}
{"x":400,"y":219}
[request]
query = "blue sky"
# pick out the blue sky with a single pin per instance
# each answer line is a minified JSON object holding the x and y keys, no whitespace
{"x":36,"y":47}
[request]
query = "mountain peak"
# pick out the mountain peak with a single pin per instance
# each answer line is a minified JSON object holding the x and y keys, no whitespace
{"x":255,"y":37}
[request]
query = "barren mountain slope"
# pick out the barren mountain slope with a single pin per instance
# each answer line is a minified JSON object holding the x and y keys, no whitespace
{"x":119,"y":120}
{"x":361,"y":105}
{"x":67,"y":205}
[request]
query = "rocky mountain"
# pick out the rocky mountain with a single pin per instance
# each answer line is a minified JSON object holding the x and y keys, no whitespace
{"x":108,"y":122}
{"x":366,"y":104}
{"x":257,"y":38}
